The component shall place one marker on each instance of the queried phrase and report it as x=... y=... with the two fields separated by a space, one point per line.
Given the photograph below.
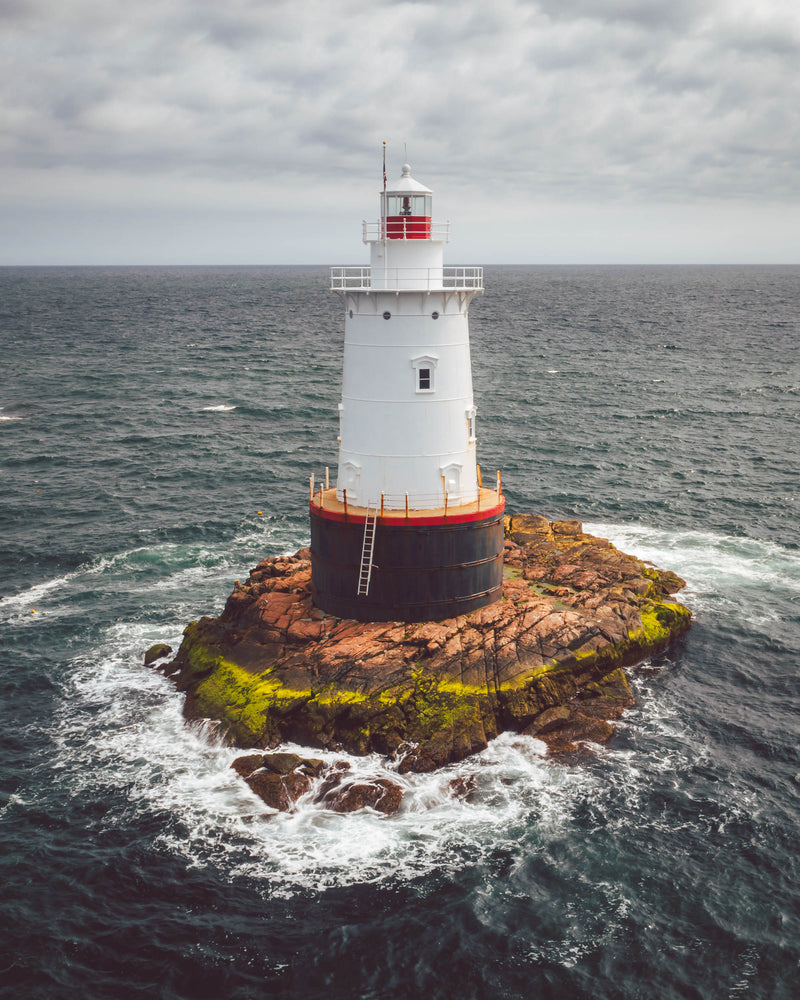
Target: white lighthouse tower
x=408 y=532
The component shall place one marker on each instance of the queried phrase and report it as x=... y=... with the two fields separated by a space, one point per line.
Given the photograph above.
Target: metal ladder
x=367 y=548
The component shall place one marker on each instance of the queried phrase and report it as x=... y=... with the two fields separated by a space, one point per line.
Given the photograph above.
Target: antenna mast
x=383 y=212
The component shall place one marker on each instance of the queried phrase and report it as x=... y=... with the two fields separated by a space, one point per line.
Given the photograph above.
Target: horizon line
x=687 y=263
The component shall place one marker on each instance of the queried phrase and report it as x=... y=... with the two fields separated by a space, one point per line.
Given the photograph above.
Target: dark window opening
x=424 y=378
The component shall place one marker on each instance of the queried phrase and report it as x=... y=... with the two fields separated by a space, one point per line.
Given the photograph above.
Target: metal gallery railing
x=399 y=503
x=366 y=279
x=393 y=228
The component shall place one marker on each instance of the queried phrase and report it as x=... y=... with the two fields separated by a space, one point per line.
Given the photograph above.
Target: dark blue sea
x=148 y=414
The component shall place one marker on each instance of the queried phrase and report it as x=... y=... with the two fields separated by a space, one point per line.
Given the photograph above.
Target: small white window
x=425 y=373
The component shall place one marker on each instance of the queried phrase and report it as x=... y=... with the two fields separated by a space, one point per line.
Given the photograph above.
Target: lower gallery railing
x=402 y=504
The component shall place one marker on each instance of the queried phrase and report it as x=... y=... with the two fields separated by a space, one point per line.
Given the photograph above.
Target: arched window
x=425 y=372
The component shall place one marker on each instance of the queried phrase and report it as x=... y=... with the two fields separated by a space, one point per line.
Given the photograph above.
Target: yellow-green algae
x=244 y=700
x=660 y=621
x=258 y=708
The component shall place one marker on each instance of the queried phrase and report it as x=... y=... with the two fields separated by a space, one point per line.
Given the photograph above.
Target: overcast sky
x=249 y=131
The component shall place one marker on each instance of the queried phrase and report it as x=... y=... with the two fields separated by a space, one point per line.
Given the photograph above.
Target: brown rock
x=420 y=762
x=296 y=784
x=333 y=778
x=273 y=605
x=156 y=652
x=380 y=794
x=670 y=582
x=531 y=523
x=278 y=791
x=613 y=687
x=462 y=786
x=567 y=528
x=278 y=778
x=245 y=766
x=305 y=630
x=549 y=719
x=522 y=529
x=580 y=729
x=281 y=763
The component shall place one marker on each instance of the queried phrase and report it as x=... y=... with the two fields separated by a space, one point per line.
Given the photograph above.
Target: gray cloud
x=573 y=101
x=659 y=14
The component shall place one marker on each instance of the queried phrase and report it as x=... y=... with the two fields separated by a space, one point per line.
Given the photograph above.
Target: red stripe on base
x=477 y=515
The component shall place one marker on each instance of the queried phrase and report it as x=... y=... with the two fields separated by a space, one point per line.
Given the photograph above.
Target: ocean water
x=147 y=416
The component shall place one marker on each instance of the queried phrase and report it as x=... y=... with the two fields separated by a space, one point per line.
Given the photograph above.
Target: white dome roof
x=407 y=183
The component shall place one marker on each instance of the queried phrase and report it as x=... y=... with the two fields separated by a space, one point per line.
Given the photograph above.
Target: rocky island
x=546 y=660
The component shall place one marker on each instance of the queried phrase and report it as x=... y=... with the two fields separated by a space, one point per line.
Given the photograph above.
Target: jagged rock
x=581 y=729
x=522 y=528
x=669 y=582
x=245 y=766
x=333 y=778
x=380 y=794
x=544 y=660
x=567 y=527
x=278 y=791
x=550 y=718
x=156 y=652
x=462 y=786
x=284 y=763
x=278 y=778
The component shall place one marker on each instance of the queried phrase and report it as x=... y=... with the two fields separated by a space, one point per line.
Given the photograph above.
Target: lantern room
x=406 y=209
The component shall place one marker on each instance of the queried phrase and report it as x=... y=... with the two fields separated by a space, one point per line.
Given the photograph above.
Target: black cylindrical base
x=420 y=571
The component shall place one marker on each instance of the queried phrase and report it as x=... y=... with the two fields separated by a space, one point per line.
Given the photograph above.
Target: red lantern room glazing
x=406 y=209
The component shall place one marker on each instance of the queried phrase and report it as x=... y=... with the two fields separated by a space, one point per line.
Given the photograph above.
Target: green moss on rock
x=661 y=620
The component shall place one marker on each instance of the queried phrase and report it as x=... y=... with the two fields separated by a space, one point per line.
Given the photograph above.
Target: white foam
x=313 y=847
x=185 y=568
x=121 y=725
x=220 y=408
x=679 y=749
x=712 y=564
x=31 y=596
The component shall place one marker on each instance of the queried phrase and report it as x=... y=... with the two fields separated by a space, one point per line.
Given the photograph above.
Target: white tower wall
x=406 y=264
x=397 y=438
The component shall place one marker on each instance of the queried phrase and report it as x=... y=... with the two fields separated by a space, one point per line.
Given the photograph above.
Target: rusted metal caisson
x=408 y=533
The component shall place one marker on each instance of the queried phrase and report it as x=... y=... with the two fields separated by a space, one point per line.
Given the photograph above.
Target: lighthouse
x=409 y=532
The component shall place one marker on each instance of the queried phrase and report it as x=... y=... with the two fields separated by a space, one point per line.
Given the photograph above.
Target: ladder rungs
x=367 y=547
